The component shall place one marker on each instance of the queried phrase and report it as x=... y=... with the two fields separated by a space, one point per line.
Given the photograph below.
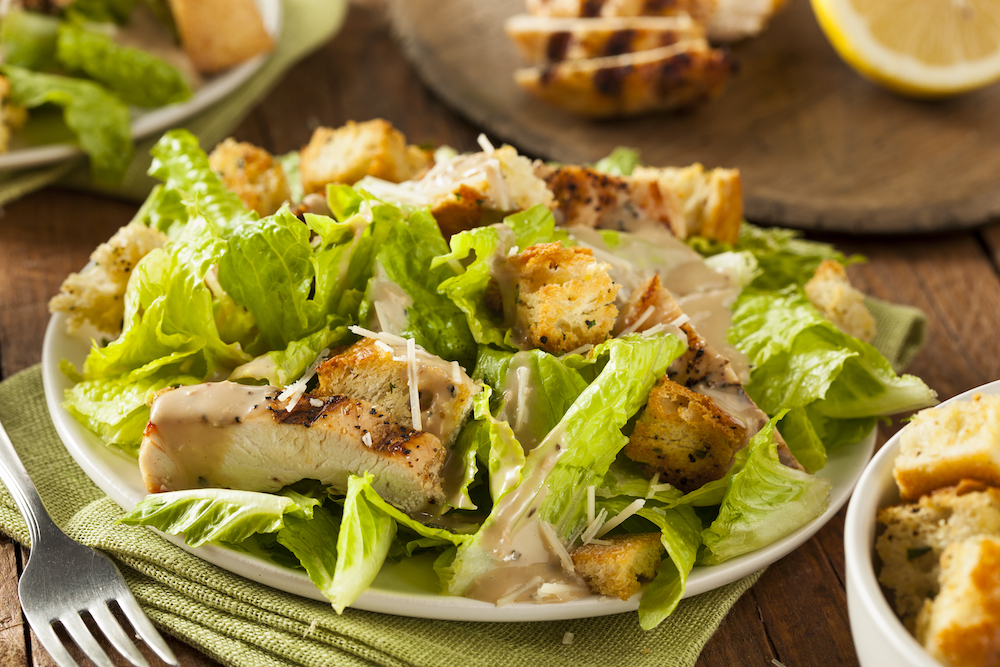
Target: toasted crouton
x=372 y=370
x=943 y=445
x=217 y=34
x=712 y=200
x=916 y=534
x=961 y=626
x=831 y=292
x=684 y=436
x=348 y=153
x=252 y=174
x=565 y=298
x=616 y=568
x=97 y=294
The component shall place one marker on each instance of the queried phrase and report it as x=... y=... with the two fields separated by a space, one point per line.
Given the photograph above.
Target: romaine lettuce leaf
x=764 y=502
x=366 y=532
x=621 y=162
x=218 y=515
x=100 y=121
x=314 y=543
x=28 y=40
x=135 y=76
x=101 y=10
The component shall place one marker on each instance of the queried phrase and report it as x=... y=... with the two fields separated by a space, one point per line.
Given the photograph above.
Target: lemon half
x=925 y=48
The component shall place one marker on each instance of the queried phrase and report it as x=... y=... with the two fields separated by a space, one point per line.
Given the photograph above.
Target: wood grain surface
x=797 y=611
x=819 y=147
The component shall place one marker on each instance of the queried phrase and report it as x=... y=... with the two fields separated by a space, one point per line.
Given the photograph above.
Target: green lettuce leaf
x=366 y=532
x=217 y=515
x=621 y=162
x=314 y=543
x=28 y=40
x=102 y=11
x=100 y=121
x=764 y=502
x=135 y=76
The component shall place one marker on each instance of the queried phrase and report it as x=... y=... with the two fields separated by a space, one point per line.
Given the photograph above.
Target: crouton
x=916 y=534
x=252 y=174
x=711 y=200
x=961 y=626
x=616 y=568
x=684 y=436
x=97 y=294
x=378 y=372
x=217 y=34
x=565 y=298
x=348 y=153
x=831 y=292
x=943 y=445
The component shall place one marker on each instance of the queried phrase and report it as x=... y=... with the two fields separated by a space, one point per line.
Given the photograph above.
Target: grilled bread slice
x=668 y=78
x=544 y=39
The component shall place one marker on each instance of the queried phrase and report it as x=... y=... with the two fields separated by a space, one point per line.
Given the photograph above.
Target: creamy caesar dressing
x=519 y=390
x=194 y=425
x=735 y=402
x=145 y=32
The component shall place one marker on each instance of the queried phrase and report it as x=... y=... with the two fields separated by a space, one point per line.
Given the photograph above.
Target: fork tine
x=116 y=635
x=144 y=628
x=50 y=641
x=82 y=637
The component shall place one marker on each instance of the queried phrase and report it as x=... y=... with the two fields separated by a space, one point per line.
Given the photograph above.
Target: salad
x=74 y=70
x=544 y=488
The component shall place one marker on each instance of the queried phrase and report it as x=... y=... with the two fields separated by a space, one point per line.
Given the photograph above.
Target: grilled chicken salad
x=558 y=379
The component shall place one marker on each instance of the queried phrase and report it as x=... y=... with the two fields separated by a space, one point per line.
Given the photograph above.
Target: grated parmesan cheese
x=594 y=526
x=484 y=143
x=632 y=328
x=411 y=380
x=512 y=596
x=388 y=338
x=315 y=402
x=586 y=347
x=600 y=543
x=456 y=373
x=651 y=491
x=365 y=211
x=568 y=638
x=367 y=439
x=294 y=391
x=633 y=507
x=382 y=346
x=680 y=320
x=522 y=396
x=549 y=534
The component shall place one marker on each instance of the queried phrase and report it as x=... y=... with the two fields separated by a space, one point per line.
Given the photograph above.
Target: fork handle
x=23 y=490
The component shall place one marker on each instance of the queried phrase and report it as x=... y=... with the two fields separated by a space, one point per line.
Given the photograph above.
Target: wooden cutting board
x=818 y=146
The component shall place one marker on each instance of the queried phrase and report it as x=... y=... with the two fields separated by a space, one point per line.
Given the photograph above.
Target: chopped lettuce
x=100 y=121
x=218 y=515
x=621 y=162
x=28 y=40
x=135 y=76
x=765 y=501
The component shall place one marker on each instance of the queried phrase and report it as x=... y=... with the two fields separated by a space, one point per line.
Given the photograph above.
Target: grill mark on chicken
x=619 y=42
x=558 y=43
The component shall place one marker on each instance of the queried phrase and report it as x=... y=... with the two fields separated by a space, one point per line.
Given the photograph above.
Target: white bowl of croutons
x=922 y=540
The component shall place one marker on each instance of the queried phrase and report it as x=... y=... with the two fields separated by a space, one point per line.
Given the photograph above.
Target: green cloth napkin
x=305 y=25
x=900 y=331
x=241 y=623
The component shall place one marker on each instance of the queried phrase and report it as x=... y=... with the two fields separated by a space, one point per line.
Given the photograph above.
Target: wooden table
x=797 y=613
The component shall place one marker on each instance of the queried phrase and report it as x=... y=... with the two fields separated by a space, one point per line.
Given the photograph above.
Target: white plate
x=408 y=588
x=146 y=122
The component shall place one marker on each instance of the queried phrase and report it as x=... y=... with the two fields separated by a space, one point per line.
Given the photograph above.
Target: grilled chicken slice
x=698 y=415
x=235 y=436
x=544 y=39
x=699 y=10
x=671 y=77
x=379 y=371
x=734 y=20
x=590 y=198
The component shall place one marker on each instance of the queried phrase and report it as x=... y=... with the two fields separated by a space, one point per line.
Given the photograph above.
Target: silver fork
x=64 y=578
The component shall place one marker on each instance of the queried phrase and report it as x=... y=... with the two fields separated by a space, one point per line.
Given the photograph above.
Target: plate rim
x=93 y=457
x=154 y=120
